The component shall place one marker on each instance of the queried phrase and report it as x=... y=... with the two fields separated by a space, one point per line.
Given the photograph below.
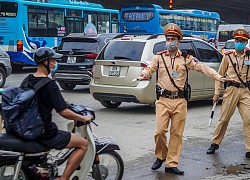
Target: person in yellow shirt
x=235 y=65
x=171 y=106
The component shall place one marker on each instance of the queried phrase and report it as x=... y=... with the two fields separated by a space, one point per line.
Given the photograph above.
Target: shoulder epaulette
x=188 y=55
x=228 y=52
x=161 y=52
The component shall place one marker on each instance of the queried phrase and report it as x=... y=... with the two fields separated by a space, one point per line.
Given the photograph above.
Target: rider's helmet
x=44 y=53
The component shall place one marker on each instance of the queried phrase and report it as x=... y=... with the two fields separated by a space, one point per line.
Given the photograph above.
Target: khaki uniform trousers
x=176 y=110
x=233 y=97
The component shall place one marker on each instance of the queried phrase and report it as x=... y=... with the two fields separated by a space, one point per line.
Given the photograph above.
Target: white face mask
x=171 y=46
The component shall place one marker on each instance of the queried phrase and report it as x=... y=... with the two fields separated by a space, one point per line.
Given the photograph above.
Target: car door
x=211 y=57
x=195 y=79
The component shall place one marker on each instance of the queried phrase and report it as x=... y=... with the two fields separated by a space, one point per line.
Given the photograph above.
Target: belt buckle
x=175 y=93
x=171 y=96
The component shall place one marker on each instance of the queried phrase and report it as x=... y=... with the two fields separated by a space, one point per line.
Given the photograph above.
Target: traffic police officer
x=235 y=65
x=172 y=105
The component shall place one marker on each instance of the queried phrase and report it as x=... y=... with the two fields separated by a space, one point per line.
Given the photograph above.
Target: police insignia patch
x=196 y=60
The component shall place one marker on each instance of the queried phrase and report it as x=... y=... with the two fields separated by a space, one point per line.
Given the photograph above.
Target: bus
x=151 y=19
x=225 y=32
x=26 y=25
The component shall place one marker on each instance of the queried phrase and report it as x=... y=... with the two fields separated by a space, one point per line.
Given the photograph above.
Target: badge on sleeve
x=196 y=60
x=175 y=74
x=246 y=62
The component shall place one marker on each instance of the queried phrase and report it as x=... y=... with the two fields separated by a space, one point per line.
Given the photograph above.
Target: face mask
x=55 y=68
x=171 y=46
x=239 y=46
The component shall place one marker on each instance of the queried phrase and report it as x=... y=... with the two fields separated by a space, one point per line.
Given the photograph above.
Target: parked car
x=5 y=67
x=229 y=46
x=123 y=59
x=79 y=52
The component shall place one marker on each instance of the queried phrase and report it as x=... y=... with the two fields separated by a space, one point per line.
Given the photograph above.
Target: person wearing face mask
x=171 y=106
x=49 y=98
x=235 y=65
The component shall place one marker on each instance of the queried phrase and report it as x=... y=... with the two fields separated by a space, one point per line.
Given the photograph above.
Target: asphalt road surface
x=132 y=125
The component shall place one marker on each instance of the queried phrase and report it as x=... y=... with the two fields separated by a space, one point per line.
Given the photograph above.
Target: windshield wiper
x=121 y=57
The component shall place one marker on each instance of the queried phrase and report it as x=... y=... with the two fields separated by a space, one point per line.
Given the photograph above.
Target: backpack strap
x=42 y=82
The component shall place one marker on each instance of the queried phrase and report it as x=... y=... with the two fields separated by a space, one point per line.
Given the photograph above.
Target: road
x=132 y=125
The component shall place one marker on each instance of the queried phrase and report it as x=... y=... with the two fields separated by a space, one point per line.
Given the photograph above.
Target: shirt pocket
x=162 y=67
x=181 y=71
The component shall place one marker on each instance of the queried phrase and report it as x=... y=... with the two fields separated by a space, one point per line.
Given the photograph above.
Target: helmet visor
x=57 y=56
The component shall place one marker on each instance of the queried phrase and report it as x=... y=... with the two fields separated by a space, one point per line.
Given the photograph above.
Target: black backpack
x=20 y=110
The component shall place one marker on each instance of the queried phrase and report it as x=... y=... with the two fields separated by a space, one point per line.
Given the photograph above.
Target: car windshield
x=229 y=45
x=127 y=50
x=81 y=46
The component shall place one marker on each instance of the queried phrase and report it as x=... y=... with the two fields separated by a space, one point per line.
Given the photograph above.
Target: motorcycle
x=25 y=160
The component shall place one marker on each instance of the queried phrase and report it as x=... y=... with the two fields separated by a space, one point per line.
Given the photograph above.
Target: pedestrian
x=235 y=65
x=49 y=98
x=171 y=106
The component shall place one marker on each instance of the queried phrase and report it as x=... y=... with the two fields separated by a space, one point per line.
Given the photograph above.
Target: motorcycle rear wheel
x=7 y=169
x=111 y=166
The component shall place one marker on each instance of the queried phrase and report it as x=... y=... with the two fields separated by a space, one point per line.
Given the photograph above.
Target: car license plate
x=114 y=70
x=71 y=60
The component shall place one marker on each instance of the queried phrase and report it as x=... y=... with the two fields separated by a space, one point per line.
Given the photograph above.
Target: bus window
x=103 y=23
x=37 y=22
x=210 y=26
x=114 y=23
x=8 y=9
x=56 y=19
x=182 y=22
x=74 y=25
x=90 y=17
x=162 y=21
x=177 y=20
x=195 y=24
x=37 y=19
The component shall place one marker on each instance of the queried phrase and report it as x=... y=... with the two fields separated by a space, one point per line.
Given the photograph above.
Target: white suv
x=123 y=59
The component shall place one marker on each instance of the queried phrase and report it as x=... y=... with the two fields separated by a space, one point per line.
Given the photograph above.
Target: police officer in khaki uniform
x=236 y=93
x=172 y=105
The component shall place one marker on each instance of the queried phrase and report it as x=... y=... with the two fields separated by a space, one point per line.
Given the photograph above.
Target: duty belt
x=236 y=84
x=173 y=95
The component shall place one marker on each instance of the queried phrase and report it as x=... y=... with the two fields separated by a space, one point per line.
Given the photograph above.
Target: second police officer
x=235 y=65
x=171 y=105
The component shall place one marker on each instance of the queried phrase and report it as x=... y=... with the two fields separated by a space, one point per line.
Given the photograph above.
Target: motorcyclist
x=49 y=98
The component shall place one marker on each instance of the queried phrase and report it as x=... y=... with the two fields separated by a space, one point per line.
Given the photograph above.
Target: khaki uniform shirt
x=227 y=69
x=176 y=69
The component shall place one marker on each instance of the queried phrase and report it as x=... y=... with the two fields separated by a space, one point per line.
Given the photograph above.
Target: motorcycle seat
x=10 y=142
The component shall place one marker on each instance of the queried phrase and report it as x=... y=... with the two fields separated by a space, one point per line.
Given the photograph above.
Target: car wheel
x=110 y=104
x=2 y=77
x=67 y=86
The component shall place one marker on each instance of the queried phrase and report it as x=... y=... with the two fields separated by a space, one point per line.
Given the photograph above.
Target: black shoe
x=174 y=170
x=212 y=148
x=247 y=155
x=157 y=164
